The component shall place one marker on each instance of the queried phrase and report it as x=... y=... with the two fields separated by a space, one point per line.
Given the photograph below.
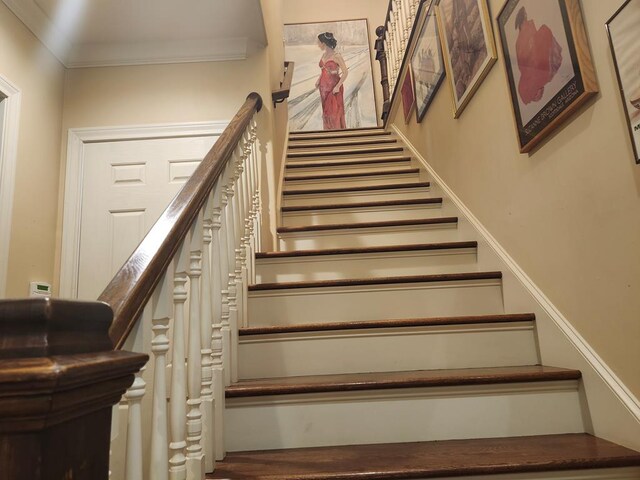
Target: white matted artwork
x=306 y=104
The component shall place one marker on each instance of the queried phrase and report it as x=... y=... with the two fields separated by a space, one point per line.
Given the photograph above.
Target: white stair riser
x=292 y=184
x=350 y=215
x=364 y=167
x=367 y=133
x=354 y=197
x=388 y=350
x=599 y=474
x=370 y=237
x=411 y=415
x=323 y=305
x=374 y=265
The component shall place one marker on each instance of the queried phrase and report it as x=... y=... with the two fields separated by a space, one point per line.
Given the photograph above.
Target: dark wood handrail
x=280 y=95
x=133 y=285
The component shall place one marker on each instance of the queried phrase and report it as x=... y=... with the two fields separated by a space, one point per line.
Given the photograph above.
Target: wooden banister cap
x=58 y=363
x=45 y=327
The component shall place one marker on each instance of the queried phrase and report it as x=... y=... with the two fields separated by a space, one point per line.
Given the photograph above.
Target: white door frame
x=10 y=125
x=73 y=195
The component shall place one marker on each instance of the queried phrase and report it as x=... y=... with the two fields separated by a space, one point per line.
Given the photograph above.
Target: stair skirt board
x=376 y=350
x=354 y=196
x=402 y=415
x=375 y=302
x=384 y=264
x=360 y=214
x=370 y=237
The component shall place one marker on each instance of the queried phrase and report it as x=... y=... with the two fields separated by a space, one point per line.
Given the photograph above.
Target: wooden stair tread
x=374 y=173
x=451 y=458
x=367 y=250
x=361 y=225
x=305 y=132
x=345 y=143
x=354 y=282
x=366 y=188
x=293 y=137
x=389 y=203
x=347 y=163
x=350 y=151
x=392 y=323
x=388 y=380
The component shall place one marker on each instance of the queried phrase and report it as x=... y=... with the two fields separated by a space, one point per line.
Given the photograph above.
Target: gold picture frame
x=541 y=104
x=468 y=53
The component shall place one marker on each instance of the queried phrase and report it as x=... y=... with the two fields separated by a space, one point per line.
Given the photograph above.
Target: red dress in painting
x=332 y=103
x=539 y=58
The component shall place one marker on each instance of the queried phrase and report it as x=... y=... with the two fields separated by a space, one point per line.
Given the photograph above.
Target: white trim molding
x=73 y=194
x=10 y=124
x=613 y=382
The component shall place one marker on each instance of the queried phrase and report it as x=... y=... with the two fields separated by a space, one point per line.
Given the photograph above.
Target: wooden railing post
x=381 y=56
x=60 y=379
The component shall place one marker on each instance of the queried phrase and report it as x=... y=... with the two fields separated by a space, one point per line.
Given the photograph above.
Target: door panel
x=126 y=187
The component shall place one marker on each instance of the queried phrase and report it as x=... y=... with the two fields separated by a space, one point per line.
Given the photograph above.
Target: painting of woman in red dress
x=539 y=57
x=333 y=73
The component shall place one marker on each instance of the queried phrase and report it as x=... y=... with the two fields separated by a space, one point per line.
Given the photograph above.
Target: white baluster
x=206 y=322
x=238 y=224
x=402 y=23
x=133 y=460
x=258 y=193
x=162 y=305
x=231 y=279
x=218 y=263
x=178 y=401
x=224 y=275
x=195 y=457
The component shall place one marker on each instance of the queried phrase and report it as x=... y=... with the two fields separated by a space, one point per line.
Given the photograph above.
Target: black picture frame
x=627 y=97
x=427 y=16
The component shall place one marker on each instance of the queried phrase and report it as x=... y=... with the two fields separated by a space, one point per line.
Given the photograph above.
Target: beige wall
x=375 y=11
x=569 y=213
x=175 y=93
x=40 y=77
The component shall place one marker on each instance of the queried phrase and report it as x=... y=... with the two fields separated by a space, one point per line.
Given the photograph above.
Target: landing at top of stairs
x=454 y=458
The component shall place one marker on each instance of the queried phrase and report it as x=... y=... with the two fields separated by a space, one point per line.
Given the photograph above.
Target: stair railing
x=188 y=281
x=393 y=44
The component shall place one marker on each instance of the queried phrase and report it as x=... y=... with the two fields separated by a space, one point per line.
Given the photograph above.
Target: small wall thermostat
x=39 y=290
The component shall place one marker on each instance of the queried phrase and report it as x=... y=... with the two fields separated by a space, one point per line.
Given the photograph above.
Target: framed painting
x=408 y=98
x=468 y=46
x=332 y=85
x=623 y=37
x=548 y=65
x=427 y=63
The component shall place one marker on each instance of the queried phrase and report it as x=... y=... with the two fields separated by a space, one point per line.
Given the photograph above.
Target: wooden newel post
x=381 y=56
x=59 y=378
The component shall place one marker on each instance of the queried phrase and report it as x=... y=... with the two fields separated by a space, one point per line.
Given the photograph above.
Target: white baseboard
x=624 y=395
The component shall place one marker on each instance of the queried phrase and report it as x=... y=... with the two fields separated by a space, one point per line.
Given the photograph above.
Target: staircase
x=377 y=348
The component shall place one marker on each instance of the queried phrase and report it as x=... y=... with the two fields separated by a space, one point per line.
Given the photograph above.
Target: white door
x=126 y=185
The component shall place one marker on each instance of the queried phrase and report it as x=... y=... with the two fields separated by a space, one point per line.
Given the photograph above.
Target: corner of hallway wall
x=568 y=213
x=40 y=77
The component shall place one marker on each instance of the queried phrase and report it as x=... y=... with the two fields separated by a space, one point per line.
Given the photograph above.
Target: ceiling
x=85 y=33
